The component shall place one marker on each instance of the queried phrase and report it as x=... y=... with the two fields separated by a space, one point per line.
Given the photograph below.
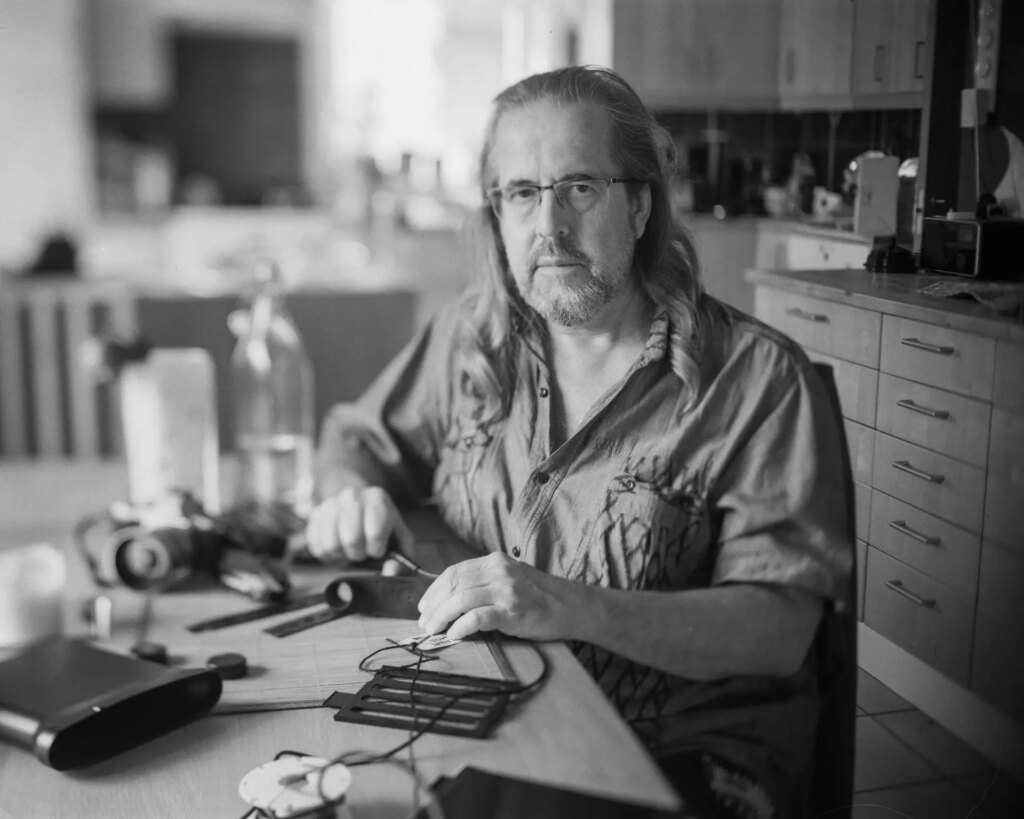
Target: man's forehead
x=545 y=139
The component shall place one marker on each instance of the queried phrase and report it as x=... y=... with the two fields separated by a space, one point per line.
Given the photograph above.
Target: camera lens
x=145 y=559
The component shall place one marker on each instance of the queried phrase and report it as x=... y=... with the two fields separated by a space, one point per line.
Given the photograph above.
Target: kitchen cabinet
x=942 y=546
x=889 y=52
x=844 y=54
x=815 y=48
x=698 y=53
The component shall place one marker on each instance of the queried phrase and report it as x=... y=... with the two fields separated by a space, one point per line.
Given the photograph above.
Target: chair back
x=50 y=403
x=835 y=647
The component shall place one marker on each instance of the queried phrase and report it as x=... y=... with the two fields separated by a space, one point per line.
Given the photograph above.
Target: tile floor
x=910 y=766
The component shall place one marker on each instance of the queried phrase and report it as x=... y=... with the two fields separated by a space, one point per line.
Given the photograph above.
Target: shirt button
x=542 y=478
x=515 y=551
x=543 y=392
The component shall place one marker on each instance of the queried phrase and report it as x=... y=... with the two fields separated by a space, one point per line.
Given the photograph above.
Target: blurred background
x=152 y=150
x=164 y=137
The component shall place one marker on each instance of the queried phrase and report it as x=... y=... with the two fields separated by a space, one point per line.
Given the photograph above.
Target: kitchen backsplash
x=730 y=157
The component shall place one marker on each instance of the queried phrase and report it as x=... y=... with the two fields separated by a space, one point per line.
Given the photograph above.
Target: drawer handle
x=898 y=587
x=796 y=312
x=904 y=466
x=924 y=345
x=908 y=403
x=901 y=527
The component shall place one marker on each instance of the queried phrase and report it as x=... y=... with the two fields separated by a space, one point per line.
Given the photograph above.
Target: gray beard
x=573 y=306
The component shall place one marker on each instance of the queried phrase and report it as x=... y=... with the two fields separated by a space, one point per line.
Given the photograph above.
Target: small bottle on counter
x=272 y=392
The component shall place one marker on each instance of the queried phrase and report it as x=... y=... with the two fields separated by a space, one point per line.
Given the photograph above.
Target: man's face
x=573 y=269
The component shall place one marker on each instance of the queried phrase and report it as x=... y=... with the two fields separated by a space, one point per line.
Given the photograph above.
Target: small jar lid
x=230 y=666
x=154 y=652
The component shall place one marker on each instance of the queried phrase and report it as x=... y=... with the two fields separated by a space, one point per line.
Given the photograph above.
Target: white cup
x=32 y=582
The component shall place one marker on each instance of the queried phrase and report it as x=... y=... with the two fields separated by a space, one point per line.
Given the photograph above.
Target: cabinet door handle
x=917 y=344
x=919 y=60
x=908 y=403
x=898 y=587
x=799 y=313
x=790 y=66
x=879 y=56
x=901 y=527
x=904 y=466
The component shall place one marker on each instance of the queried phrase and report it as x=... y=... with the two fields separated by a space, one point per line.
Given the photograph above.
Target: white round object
x=290 y=786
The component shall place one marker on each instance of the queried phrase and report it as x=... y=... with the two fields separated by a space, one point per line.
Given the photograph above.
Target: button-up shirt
x=744 y=486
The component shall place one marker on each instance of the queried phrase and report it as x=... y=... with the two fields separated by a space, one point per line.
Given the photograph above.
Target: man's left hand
x=496 y=592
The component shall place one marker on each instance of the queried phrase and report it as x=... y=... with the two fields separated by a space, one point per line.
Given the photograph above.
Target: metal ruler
x=314 y=618
x=269 y=610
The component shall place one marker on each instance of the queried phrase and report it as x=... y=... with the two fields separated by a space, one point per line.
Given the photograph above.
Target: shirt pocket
x=456 y=480
x=650 y=534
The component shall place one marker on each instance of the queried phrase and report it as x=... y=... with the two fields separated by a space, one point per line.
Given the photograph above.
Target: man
x=653 y=475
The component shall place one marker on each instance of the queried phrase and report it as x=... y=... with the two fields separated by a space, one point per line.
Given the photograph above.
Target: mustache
x=559 y=250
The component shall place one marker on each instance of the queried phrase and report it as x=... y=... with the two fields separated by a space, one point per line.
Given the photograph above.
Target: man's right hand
x=356 y=524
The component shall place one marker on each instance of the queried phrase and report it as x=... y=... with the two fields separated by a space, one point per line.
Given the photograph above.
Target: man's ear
x=640 y=210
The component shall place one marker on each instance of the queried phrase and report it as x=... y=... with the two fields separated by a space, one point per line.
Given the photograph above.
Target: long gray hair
x=497 y=320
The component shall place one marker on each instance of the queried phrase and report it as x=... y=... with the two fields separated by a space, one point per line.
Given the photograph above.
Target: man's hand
x=496 y=592
x=355 y=524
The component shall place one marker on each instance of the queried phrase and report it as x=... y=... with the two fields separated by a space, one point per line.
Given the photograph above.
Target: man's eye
x=519 y=194
x=581 y=188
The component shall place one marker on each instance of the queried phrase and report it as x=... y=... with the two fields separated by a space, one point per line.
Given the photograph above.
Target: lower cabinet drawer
x=937 y=419
x=947 y=488
x=929 y=544
x=918 y=614
x=851 y=333
x=997 y=665
x=938 y=355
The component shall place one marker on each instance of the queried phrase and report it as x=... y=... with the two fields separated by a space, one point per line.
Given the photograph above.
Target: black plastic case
x=73 y=704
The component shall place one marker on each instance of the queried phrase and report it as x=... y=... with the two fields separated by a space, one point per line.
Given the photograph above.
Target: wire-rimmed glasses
x=518 y=202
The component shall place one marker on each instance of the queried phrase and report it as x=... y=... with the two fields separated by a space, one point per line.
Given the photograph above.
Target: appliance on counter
x=977 y=248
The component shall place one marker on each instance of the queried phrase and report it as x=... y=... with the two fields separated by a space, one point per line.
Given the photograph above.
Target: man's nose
x=552 y=216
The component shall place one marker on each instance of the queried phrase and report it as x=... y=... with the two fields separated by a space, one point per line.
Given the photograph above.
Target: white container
x=32 y=582
x=169 y=416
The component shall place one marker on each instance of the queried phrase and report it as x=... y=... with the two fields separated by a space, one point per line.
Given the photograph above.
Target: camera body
x=163 y=546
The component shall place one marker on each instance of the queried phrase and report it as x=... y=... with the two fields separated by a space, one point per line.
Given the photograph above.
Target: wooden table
x=567 y=734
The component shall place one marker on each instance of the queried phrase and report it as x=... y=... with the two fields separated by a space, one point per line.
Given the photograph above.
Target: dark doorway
x=235 y=116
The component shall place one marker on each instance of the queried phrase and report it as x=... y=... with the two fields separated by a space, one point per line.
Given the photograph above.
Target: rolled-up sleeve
x=390 y=436
x=781 y=498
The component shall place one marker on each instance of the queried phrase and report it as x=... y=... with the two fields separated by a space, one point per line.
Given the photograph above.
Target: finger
x=454 y=606
x=349 y=524
x=321 y=535
x=379 y=516
x=456 y=575
x=485 y=618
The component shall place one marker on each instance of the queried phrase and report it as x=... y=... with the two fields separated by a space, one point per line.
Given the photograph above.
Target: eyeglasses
x=518 y=202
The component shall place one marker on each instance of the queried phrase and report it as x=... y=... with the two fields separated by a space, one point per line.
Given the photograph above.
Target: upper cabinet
x=698 y=53
x=839 y=54
x=890 y=42
x=766 y=54
x=815 y=46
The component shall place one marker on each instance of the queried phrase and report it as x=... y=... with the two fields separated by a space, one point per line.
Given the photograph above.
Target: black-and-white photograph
x=511 y=409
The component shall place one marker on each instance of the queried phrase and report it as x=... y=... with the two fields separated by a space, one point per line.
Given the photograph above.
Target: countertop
x=895 y=294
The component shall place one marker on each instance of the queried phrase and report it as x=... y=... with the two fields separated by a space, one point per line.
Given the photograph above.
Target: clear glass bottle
x=272 y=391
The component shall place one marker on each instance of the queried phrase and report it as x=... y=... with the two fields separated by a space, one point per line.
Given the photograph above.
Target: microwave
x=979 y=248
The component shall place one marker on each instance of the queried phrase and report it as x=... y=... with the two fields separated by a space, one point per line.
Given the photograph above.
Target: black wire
x=365 y=758
x=479 y=692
